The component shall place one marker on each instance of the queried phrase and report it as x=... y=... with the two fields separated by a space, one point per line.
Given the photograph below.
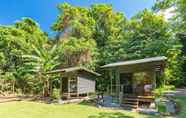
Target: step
x=130 y=99
x=129 y=106
x=128 y=102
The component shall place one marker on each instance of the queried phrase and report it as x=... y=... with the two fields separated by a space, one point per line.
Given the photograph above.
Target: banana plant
x=42 y=60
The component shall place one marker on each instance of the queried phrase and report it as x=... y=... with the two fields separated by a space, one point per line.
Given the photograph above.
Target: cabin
x=132 y=82
x=76 y=82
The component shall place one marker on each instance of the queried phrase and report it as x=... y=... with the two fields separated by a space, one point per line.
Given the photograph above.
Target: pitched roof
x=132 y=62
x=73 y=69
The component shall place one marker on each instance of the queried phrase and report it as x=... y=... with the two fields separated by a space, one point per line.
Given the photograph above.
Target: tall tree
x=109 y=32
x=151 y=35
x=75 y=28
x=178 y=22
x=15 y=40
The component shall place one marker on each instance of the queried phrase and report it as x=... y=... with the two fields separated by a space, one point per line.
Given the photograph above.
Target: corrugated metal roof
x=132 y=62
x=72 y=69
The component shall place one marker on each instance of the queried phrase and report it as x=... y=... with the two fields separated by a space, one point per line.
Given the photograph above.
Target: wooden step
x=130 y=99
x=129 y=106
x=128 y=102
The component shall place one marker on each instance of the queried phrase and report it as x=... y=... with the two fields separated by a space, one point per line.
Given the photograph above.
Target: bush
x=159 y=91
x=55 y=93
x=161 y=108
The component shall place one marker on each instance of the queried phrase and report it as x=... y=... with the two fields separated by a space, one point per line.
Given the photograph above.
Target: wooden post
x=121 y=95
x=117 y=82
x=61 y=88
x=154 y=78
x=118 y=86
x=110 y=74
x=68 y=87
x=77 y=82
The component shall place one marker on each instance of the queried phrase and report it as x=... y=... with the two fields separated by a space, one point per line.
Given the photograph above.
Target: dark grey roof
x=132 y=62
x=72 y=69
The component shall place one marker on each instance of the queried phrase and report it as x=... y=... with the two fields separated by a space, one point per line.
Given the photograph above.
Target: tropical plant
x=43 y=60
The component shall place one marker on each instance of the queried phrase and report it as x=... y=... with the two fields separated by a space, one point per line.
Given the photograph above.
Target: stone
x=152 y=105
x=170 y=106
x=108 y=102
x=148 y=111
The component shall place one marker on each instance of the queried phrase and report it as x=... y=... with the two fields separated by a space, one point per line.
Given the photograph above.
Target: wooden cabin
x=129 y=80
x=76 y=82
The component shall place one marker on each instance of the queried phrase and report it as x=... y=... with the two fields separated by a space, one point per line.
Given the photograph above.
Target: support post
x=118 y=86
x=68 y=87
x=154 y=78
x=110 y=74
x=117 y=81
x=61 y=88
x=77 y=82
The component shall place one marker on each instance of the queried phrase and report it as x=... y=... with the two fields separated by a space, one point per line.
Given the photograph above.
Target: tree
x=43 y=60
x=109 y=33
x=74 y=21
x=15 y=40
x=178 y=23
x=151 y=35
x=99 y=23
x=78 y=52
x=75 y=27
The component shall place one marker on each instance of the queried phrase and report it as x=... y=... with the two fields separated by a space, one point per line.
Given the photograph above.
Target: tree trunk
x=3 y=85
x=50 y=89
x=13 y=86
x=46 y=88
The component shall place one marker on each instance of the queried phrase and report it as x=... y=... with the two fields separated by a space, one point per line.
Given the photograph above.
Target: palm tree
x=42 y=60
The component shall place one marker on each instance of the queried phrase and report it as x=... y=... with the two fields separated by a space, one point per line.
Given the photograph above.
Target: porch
x=132 y=82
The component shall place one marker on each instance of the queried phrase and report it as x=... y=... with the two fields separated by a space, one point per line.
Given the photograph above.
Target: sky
x=44 y=12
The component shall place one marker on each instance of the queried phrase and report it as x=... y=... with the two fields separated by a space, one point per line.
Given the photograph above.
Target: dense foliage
x=178 y=26
x=90 y=37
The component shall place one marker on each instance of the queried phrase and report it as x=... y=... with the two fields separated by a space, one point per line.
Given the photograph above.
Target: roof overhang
x=73 y=69
x=153 y=60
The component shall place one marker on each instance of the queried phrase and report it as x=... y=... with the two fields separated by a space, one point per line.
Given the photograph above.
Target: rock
x=157 y=100
x=108 y=102
x=148 y=111
x=170 y=107
x=152 y=105
x=60 y=101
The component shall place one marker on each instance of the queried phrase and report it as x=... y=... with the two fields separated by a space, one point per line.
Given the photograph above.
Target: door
x=126 y=83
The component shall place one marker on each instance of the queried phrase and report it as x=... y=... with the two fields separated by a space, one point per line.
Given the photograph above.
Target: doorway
x=126 y=83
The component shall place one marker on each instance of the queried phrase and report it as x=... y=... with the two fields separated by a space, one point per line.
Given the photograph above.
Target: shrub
x=55 y=93
x=159 y=91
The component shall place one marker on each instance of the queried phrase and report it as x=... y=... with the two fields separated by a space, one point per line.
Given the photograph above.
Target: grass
x=25 y=109
x=182 y=101
x=40 y=110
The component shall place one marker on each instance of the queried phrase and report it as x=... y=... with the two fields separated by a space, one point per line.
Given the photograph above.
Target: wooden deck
x=134 y=102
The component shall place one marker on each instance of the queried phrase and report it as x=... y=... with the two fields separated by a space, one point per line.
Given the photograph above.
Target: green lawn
x=25 y=109
x=182 y=101
x=41 y=110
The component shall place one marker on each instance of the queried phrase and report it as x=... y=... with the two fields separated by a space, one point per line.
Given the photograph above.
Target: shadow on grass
x=110 y=115
x=88 y=102
x=113 y=114
x=118 y=115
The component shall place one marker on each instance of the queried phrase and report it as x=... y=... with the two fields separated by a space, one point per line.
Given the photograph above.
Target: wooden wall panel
x=85 y=84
